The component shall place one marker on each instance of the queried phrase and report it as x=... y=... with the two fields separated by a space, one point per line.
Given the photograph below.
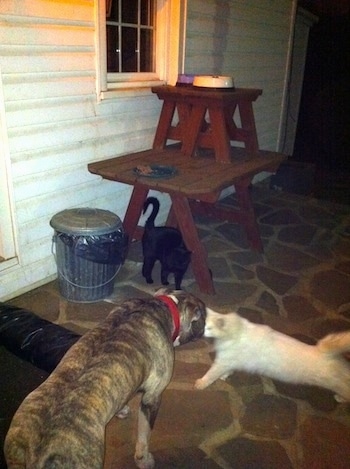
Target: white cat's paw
x=200 y=384
x=224 y=377
x=124 y=412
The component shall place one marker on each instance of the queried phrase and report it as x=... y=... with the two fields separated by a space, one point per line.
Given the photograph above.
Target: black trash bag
x=109 y=248
x=32 y=338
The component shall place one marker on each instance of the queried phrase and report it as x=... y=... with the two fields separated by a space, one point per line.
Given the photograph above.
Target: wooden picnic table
x=194 y=189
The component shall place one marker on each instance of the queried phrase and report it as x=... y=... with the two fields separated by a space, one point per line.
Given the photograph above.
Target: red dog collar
x=174 y=312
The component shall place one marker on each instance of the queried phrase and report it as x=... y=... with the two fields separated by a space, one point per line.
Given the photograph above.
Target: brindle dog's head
x=192 y=312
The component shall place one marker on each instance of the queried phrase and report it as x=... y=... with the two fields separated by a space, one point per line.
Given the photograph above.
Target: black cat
x=164 y=244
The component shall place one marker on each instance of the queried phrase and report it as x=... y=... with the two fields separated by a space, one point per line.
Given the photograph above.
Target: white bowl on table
x=213 y=81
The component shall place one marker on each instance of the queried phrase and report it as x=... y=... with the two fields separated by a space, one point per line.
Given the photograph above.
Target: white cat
x=255 y=348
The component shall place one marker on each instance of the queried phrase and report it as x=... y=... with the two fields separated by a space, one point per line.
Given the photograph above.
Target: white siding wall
x=248 y=40
x=56 y=126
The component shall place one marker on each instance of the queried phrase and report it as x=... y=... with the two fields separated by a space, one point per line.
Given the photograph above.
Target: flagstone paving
x=300 y=285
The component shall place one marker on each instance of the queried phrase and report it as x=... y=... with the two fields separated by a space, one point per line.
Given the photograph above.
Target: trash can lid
x=86 y=221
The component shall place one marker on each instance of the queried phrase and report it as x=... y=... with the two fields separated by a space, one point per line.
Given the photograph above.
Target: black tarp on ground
x=32 y=338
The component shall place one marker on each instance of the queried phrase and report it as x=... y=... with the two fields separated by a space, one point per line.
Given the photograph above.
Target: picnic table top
x=195 y=176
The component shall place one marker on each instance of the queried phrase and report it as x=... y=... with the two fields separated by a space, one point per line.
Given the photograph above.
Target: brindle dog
x=62 y=423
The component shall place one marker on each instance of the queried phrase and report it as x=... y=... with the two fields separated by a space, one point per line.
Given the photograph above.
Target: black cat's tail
x=155 y=203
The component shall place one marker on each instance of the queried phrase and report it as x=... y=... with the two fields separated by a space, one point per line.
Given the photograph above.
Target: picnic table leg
x=244 y=215
x=133 y=212
x=248 y=124
x=192 y=131
x=181 y=209
x=171 y=219
x=164 y=124
x=221 y=141
x=245 y=203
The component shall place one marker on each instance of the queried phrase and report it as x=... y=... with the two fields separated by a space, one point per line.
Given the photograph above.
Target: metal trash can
x=90 y=246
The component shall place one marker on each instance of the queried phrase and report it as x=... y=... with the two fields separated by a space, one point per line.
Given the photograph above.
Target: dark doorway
x=323 y=131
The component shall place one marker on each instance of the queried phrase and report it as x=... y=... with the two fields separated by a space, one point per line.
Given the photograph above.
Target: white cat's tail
x=335 y=344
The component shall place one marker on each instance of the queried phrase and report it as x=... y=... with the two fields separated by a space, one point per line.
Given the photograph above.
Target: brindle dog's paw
x=339 y=398
x=122 y=414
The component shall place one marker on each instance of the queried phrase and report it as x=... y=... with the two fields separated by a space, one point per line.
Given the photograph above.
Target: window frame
x=169 y=47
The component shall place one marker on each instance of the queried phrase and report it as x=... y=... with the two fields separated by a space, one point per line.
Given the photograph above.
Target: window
x=130 y=33
x=140 y=44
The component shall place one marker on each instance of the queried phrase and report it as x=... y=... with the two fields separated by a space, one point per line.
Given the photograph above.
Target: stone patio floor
x=300 y=285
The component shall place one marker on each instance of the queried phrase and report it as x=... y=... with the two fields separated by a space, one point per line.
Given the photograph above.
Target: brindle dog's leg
x=146 y=418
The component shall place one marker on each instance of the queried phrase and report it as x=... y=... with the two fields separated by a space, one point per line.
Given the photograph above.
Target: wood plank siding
x=246 y=40
x=55 y=123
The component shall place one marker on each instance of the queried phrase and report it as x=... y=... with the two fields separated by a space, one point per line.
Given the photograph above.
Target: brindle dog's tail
x=155 y=203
